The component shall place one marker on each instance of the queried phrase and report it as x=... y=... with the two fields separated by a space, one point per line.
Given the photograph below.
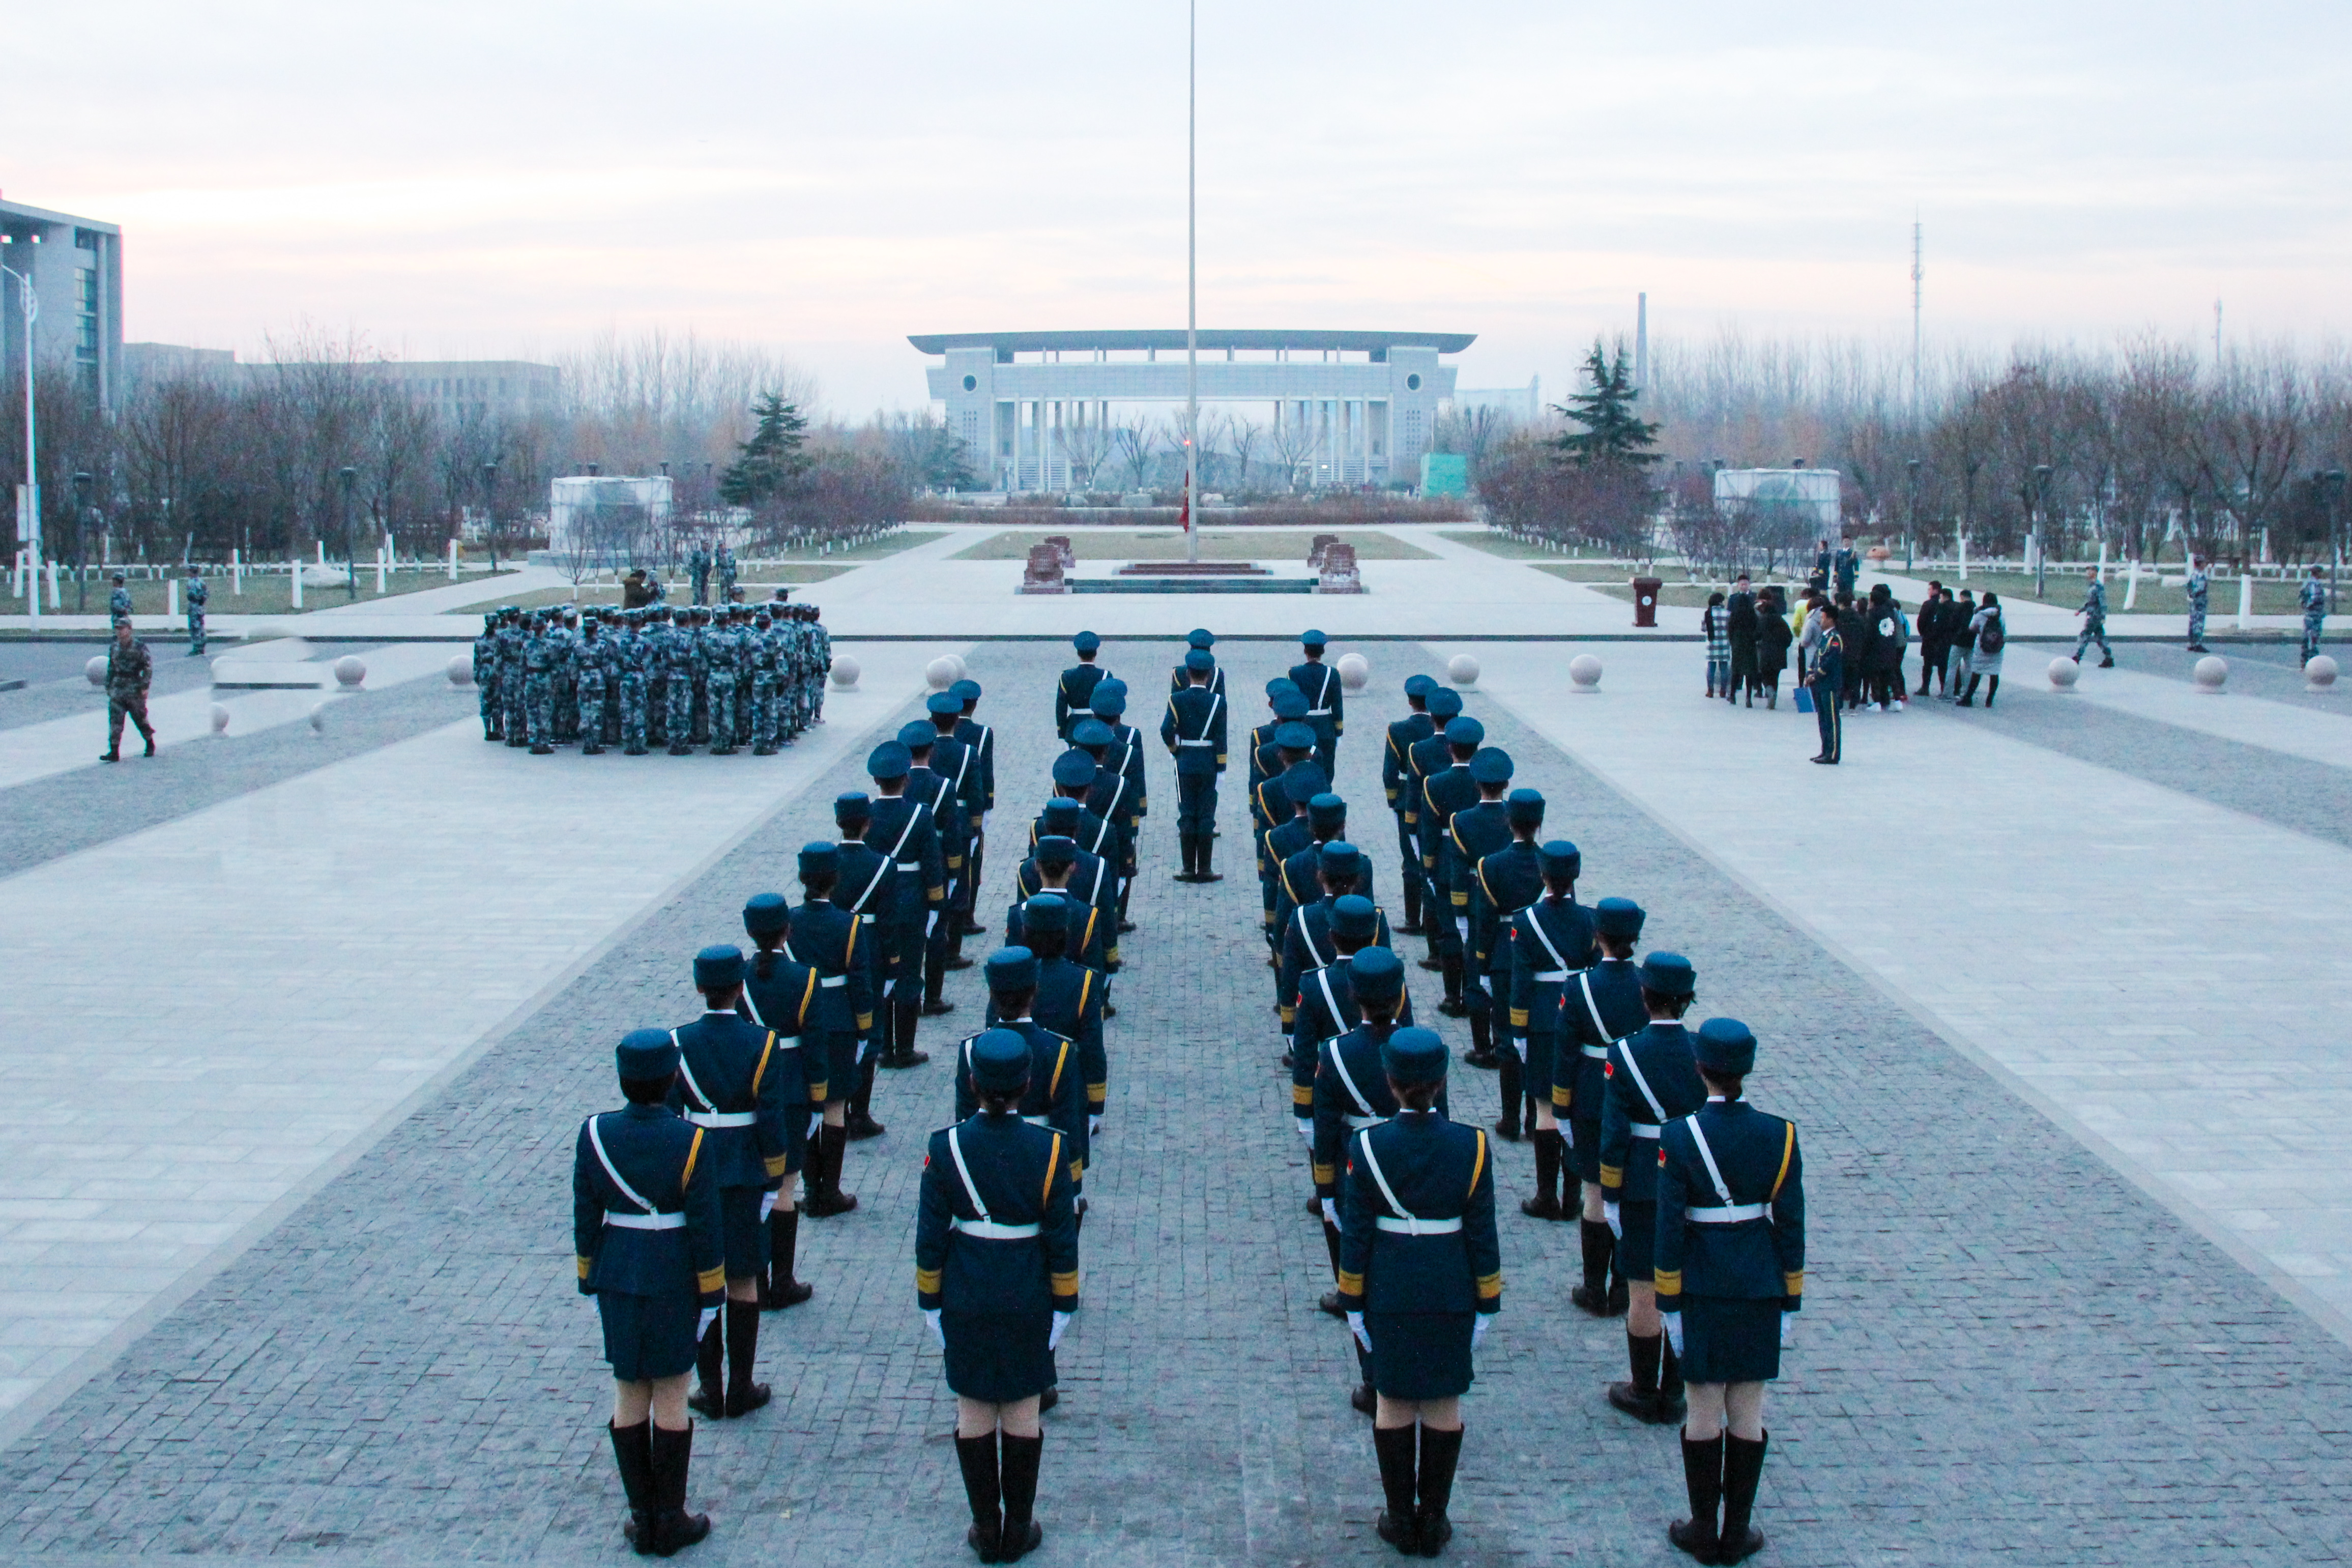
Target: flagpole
x=1191 y=278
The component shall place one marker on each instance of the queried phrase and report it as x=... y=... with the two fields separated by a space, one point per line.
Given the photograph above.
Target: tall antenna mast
x=1191 y=282
x=2217 y=333
x=1642 y=341
x=1918 y=273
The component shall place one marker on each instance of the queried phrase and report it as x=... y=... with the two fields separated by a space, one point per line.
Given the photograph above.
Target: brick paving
x=2009 y=1353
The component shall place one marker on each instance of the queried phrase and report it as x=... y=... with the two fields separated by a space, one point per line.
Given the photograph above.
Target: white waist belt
x=723 y=1118
x=1725 y=1214
x=1196 y=742
x=989 y=1231
x=1643 y=1129
x=833 y=981
x=1319 y=712
x=1598 y=1053
x=910 y=865
x=1551 y=977
x=1360 y=1122
x=1416 y=1226
x=645 y=1221
x=866 y=919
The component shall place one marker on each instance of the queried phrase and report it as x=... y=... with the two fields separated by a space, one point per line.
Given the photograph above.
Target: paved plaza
x=302 y=1023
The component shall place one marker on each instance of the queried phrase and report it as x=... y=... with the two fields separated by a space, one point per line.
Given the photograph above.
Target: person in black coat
x=1739 y=620
x=1935 y=635
x=1855 y=627
x=1773 y=634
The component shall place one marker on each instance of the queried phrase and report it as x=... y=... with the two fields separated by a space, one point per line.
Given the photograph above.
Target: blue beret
x=1200 y=637
x=1413 y=1056
x=1061 y=807
x=1669 y=974
x=765 y=914
x=1292 y=735
x=999 y=1060
x=1045 y=913
x=1353 y=917
x=1091 y=733
x=1110 y=699
x=820 y=859
x=1526 y=807
x=1444 y=702
x=1617 y=917
x=1464 y=733
x=943 y=702
x=1326 y=809
x=1110 y=683
x=1727 y=1046
x=916 y=736
x=1490 y=766
x=1086 y=642
x=1311 y=638
x=965 y=690
x=1561 y=858
x=1057 y=850
x=1200 y=661
x=721 y=964
x=646 y=1053
x=1419 y=686
x=1280 y=684
x=852 y=805
x=1377 y=974
x=1011 y=969
x=1302 y=782
x=888 y=761
x=1339 y=858
x=1290 y=705
x=1073 y=768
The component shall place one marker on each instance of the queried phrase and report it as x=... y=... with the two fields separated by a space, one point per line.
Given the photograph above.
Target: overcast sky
x=497 y=177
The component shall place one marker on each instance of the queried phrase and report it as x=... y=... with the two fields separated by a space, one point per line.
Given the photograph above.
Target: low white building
x=612 y=519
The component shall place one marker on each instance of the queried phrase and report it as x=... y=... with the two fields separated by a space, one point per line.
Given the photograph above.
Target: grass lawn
x=262 y=595
x=872 y=550
x=1510 y=549
x=610 y=594
x=1267 y=544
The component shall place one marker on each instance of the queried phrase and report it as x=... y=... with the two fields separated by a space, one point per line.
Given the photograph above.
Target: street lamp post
x=2041 y=524
x=351 y=478
x=2331 y=486
x=28 y=499
x=1911 y=535
x=82 y=483
x=490 y=512
x=1191 y=282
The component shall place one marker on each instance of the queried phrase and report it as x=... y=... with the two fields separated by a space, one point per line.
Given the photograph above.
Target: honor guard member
x=951 y=761
x=1074 y=697
x=1297 y=876
x=1398 y=784
x=1599 y=1006
x=741 y=1084
x=486 y=676
x=1424 y=758
x=1503 y=882
x=1106 y=797
x=1445 y=792
x=197 y=597
x=980 y=741
x=1731 y=1277
x=866 y=885
x=1069 y=998
x=825 y=937
x=646 y=1226
x=1126 y=753
x=1544 y=944
x=780 y=994
x=1059 y=866
x=1200 y=639
x=1265 y=758
x=1326 y=709
x=996 y=1276
x=902 y=829
x=1653 y=1079
x=1074 y=779
x=1306 y=940
x=1056 y=1097
x=1828 y=682
x=1420 y=1277
x=1193 y=731
x=1296 y=789
x=129 y=672
x=1328 y=1005
x=947 y=817
x=1471 y=834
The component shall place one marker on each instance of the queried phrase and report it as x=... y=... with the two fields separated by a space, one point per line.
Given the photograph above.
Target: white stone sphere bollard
x=96 y=671
x=2210 y=672
x=844 y=671
x=962 y=669
x=1462 y=669
x=2320 y=673
x=1354 y=671
x=350 y=671
x=220 y=718
x=1584 y=673
x=461 y=670
x=2063 y=673
x=940 y=672
x=318 y=718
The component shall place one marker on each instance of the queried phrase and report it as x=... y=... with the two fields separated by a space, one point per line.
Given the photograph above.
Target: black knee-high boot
x=1018 y=1467
x=1670 y=1383
x=673 y=1456
x=1743 y=1465
x=909 y=1013
x=743 y=1396
x=1639 y=1397
x=709 y=1397
x=1412 y=926
x=1400 y=1521
x=1703 y=1479
x=783 y=1289
x=1450 y=965
x=1545 y=1204
x=632 y=1452
x=1511 y=1088
x=1441 y=1451
x=885 y=1027
x=976 y=1456
x=861 y=1123
x=1592 y=1296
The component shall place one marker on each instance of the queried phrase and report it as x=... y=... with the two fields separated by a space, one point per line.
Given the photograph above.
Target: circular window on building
x=970 y=382
x=1412 y=382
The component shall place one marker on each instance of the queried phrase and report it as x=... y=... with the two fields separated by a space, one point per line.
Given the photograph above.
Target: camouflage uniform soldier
x=746 y=672
x=118 y=602
x=820 y=663
x=2199 y=584
x=130 y=669
x=677 y=668
x=512 y=636
x=657 y=635
x=725 y=562
x=722 y=656
x=592 y=661
x=2095 y=621
x=197 y=597
x=566 y=636
x=698 y=566
x=765 y=712
x=485 y=676
x=539 y=657
x=635 y=652
x=2313 y=598
x=699 y=674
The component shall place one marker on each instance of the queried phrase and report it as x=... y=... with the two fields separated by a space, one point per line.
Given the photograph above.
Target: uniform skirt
x=1539 y=1048
x=841 y=1064
x=1584 y=1143
x=1420 y=1355
x=648 y=1337
x=1637 y=1249
x=745 y=1233
x=1730 y=1340
x=998 y=1356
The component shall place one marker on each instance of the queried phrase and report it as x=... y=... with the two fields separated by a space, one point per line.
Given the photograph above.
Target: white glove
x=702 y=1325
x=1307 y=1128
x=1616 y=1224
x=1356 y=1327
x=1478 y=1328
x=1331 y=1213
x=932 y=1316
x=1567 y=1130
x=768 y=1203
x=1061 y=1326
x=1788 y=1329
x=1094 y=1126
x=1674 y=1322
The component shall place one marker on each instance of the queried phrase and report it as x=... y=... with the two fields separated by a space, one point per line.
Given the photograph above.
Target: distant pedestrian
x=1886 y=635
x=1854 y=630
x=2199 y=585
x=1713 y=622
x=198 y=594
x=2095 y=621
x=1739 y=620
x=1773 y=636
x=1848 y=567
x=1959 y=615
x=2313 y=598
x=1933 y=636
x=130 y=671
x=1986 y=637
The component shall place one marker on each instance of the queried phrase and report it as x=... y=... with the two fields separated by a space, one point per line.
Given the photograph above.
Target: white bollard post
x=172 y=598
x=379 y=573
x=453 y=560
x=236 y=574
x=2246 y=601
x=56 y=600
x=2103 y=561
x=2131 y=584
x=322 y=551
x=1964 y=557
x=295 y=574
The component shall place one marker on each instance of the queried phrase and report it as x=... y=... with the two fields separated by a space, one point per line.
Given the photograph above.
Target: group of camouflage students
x=729 y=677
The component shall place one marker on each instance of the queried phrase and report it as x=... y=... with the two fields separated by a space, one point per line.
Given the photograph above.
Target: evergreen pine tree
x=770 y=457
x=1613 y=432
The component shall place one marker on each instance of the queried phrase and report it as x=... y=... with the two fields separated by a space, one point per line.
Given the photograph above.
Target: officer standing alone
x=1193 y=731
